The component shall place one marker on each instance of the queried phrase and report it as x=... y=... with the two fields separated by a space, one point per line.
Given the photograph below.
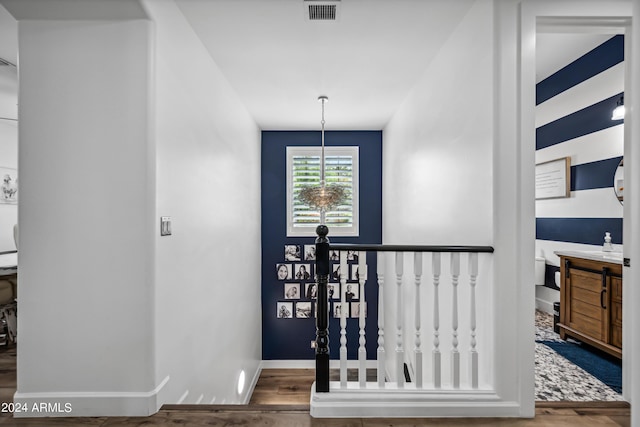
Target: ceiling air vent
x=322 y=10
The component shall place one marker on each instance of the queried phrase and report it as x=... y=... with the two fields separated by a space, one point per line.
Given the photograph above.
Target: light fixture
x=322 y=197
x=618 y=112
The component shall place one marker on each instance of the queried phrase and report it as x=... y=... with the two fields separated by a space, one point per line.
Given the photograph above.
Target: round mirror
x=618 y=181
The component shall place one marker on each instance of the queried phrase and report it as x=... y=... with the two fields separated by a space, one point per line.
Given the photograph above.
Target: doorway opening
x=581 y=67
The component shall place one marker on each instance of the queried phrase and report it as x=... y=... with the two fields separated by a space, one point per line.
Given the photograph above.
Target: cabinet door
x=585 y=299
x=615 y=311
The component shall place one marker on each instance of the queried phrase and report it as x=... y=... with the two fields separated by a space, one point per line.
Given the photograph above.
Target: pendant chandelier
x=322 y=197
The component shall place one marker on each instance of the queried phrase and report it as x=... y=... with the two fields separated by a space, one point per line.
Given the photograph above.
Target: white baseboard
x=288 y=364
x=545 y=306
x=409 y=403
x=252 y=385
x=311 y=364
x=88 y=404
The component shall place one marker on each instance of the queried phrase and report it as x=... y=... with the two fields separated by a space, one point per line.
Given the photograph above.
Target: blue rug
x=602 y=366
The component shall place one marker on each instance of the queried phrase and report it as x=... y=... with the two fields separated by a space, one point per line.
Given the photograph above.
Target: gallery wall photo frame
x=9 y=186
x=553 y=179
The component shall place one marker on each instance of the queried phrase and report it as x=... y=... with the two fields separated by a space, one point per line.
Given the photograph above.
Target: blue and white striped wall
x=573 y=119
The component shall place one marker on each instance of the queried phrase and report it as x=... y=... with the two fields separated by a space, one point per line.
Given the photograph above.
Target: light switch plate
x=165 y=226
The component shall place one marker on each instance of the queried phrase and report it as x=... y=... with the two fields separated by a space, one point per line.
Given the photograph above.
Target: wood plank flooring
x=283 y=387
x=293 y=386
x=281 y=399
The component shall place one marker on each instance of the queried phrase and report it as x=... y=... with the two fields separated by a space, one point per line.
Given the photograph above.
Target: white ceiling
x=366 y=62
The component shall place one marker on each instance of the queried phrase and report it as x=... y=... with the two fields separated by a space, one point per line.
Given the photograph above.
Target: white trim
x=630 y=338
x=514 y=221
x=544 y=305
x=252 y=385
x=407 y=403
x=311 y=364
x=90 y=404
x=288 y=364
x=596 y=16
x=310 y=231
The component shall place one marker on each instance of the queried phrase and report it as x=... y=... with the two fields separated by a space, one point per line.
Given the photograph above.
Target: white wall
x=123 y=121
x=105 y=104
x=437 y=166
x=208 y=181
x=87 y=211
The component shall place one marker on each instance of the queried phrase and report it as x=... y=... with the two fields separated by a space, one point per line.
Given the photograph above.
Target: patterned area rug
x=604 y=367
x=558 y=379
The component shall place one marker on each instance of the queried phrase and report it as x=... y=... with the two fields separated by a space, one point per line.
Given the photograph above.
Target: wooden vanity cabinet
x=591 y=303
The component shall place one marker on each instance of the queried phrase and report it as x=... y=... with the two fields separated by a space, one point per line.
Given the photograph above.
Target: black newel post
x=322 y=316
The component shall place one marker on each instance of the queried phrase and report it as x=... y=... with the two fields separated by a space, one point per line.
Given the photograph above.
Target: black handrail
x=8 y=252
x=408 y=248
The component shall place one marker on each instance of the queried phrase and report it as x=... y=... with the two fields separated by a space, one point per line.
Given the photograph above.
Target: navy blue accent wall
x=289 y=339
x=591 y=119
x=589 y=231
x=594 y=62
x=598 y=174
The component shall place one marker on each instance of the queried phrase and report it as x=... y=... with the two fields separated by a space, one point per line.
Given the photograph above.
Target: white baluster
x=417 y=271
x=473 y=274
x=455 y=354
x=362 y=351
x=343 y=319
x=381 y=353
x=400 y=321
x=437 y=368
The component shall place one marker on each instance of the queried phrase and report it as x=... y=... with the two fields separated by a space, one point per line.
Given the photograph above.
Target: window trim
x=310 y=231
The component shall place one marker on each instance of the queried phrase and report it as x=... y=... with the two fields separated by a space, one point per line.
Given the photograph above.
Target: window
x=303 y=168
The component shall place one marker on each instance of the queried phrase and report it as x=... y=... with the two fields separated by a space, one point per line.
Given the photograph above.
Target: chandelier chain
x=322 y=150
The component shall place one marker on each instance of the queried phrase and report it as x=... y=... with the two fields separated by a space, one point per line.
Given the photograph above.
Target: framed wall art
x=284 y=271
x=292 y=291
x=553 y=179
x=285 y=310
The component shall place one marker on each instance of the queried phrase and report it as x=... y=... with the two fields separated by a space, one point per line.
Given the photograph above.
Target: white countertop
x=612 y=257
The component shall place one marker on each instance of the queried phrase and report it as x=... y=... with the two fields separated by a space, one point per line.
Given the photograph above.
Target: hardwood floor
x=283 y=387
x=281 y=399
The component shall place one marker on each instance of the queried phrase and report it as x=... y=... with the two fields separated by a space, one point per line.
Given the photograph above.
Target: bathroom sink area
x=615 y=257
